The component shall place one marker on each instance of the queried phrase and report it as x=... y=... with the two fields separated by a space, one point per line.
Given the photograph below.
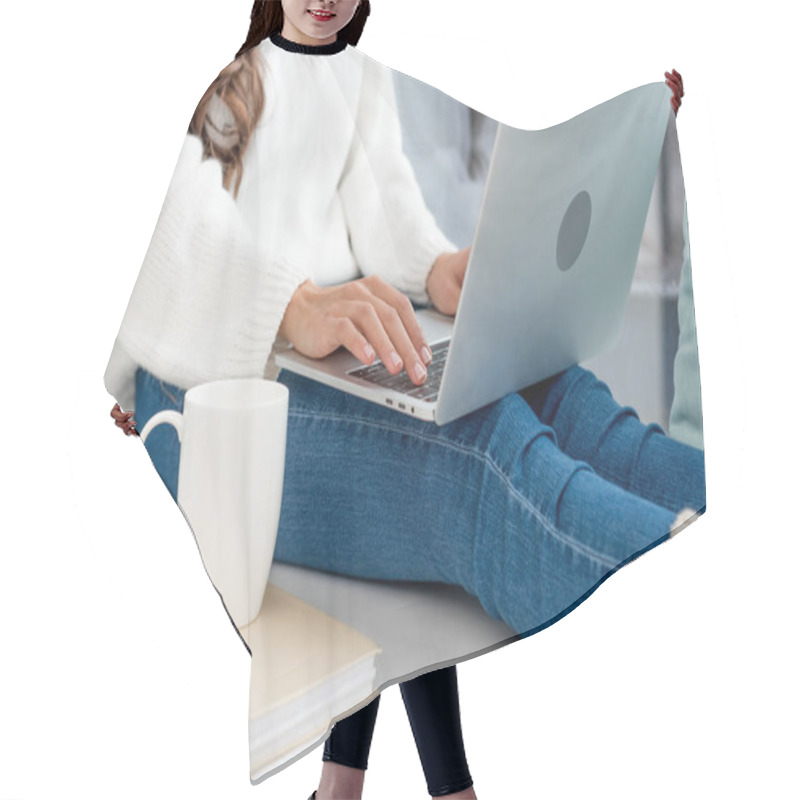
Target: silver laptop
x=550 y=269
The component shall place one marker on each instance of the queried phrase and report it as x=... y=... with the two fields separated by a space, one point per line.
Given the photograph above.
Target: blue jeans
x=528 y=503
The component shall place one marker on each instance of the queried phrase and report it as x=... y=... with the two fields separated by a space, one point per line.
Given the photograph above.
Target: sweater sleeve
x=392 y=232
x=207 y=303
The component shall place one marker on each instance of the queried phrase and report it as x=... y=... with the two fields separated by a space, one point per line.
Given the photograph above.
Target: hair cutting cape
x=351 y=170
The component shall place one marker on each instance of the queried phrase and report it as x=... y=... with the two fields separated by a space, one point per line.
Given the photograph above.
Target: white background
x=119 y=673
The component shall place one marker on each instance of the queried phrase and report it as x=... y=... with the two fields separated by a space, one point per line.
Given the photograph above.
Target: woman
x=529 y=526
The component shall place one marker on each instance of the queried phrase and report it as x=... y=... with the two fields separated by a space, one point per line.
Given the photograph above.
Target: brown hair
x=231 y=107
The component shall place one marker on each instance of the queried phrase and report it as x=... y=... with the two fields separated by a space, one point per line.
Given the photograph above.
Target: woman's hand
x=675 y=82
x=124 y=420
x=366 y=316
x=446 y=279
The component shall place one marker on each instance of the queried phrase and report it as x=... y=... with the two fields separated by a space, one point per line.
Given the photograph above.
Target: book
x=307 y=669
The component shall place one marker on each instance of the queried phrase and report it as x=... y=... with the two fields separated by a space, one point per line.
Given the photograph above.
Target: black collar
x=308 y=49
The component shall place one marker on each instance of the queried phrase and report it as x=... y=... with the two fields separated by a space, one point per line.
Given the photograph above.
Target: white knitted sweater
x=326 y=194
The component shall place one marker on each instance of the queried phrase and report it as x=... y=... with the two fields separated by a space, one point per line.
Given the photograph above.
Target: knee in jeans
x=513 y=421
x=508 y=433
x=579 y=380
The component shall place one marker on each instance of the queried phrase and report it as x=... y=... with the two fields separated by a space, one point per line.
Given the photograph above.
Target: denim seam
x=560 y=536
x=172 y=397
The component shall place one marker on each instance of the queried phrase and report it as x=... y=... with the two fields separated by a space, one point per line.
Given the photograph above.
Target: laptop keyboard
x=428 y=392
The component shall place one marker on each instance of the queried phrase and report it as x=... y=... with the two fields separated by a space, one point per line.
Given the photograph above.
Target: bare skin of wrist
x=446 y=279
x=367 y=316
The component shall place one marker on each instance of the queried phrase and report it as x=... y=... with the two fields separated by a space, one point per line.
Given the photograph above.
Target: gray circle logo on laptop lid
x=574 y=230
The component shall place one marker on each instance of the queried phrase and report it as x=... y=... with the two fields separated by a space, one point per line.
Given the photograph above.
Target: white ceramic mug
x=230 y=482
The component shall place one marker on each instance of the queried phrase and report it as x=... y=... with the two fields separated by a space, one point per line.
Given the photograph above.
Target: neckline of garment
x=308 y=49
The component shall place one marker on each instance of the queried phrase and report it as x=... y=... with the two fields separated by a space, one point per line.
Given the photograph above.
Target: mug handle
x=174 y=418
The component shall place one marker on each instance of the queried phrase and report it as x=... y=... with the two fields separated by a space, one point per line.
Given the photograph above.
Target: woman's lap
x=488 y=502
